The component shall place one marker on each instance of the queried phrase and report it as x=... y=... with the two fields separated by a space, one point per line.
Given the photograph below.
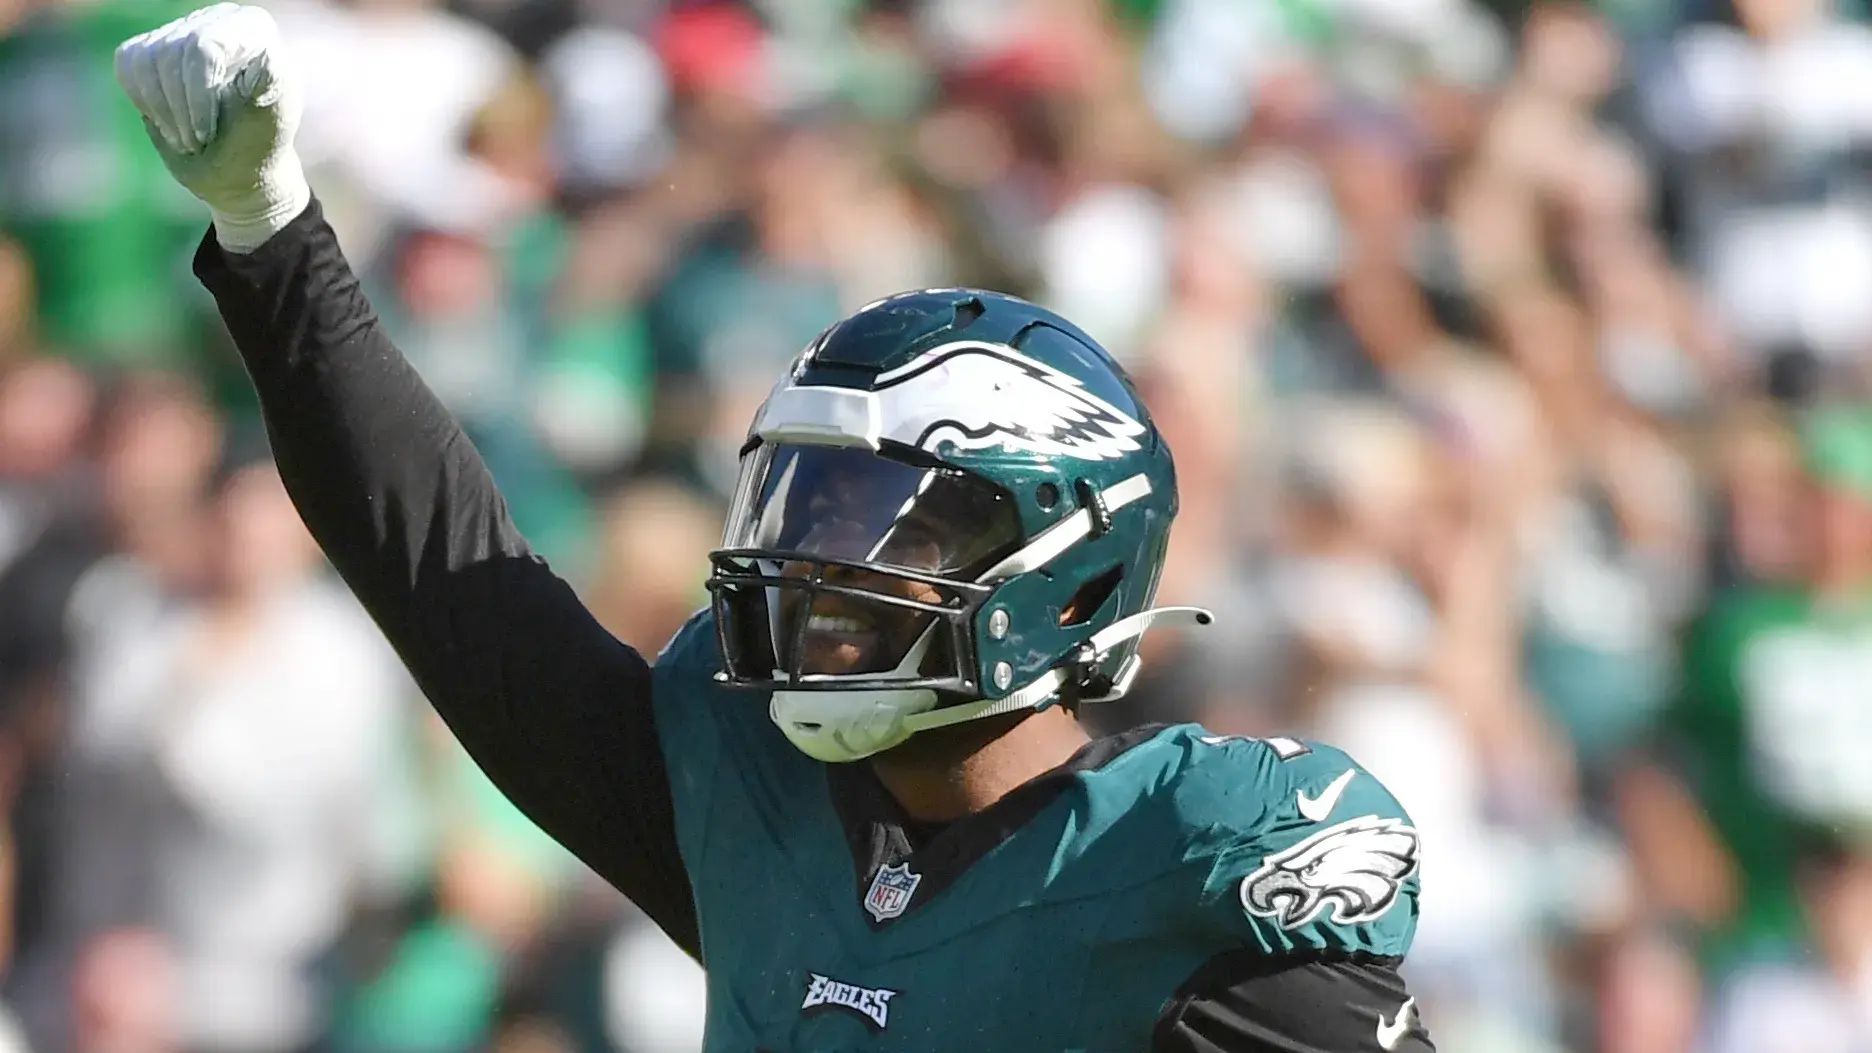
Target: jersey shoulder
x=1297 y=847
x=683 y=701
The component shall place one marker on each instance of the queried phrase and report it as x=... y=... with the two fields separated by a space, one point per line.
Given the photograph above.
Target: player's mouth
x=851 y=635
x=838 y=624
x=839 y=643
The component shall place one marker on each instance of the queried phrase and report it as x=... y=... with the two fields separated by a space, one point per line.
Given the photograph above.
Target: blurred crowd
x=1516 y=356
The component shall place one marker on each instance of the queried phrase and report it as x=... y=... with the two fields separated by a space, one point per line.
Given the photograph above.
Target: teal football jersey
x=1066 y=918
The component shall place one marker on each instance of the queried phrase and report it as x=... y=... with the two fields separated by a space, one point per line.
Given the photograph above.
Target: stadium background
x=1514 y=355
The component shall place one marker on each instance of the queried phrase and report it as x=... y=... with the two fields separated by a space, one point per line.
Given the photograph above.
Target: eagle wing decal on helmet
x=1355 y=868
x=981 y=396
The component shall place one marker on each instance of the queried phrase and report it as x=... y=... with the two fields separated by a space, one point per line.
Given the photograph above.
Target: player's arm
x=555 y=710
x=1245 y=1002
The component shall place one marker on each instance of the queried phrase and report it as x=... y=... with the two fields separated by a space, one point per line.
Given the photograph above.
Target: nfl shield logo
x=891 y=891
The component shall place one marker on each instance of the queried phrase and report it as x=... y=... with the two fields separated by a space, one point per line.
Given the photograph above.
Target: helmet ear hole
x=1091 y=597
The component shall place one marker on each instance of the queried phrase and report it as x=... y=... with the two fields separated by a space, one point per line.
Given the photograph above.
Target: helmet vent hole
x=968 y=312
x=1091 y=597
x=1046 y=495
x=1093 y=502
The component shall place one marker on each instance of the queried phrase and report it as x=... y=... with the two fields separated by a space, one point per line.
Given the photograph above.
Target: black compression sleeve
x=1244 y=1002
x=549 y=704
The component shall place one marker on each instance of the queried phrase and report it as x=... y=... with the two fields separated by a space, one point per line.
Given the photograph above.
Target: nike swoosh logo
x=1391 y=1032
x=1318 y=808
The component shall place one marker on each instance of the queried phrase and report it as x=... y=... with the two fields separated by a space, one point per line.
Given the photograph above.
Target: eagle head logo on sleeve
x=982 y=396
x=1355 y=869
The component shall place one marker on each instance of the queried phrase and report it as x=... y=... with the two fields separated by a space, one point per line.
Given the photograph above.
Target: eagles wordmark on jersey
x=870 y=1003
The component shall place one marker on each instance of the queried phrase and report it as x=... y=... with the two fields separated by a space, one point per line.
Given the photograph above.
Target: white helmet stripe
x=1056 y=539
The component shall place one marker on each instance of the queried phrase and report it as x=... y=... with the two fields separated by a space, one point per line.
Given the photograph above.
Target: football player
x=855 y=788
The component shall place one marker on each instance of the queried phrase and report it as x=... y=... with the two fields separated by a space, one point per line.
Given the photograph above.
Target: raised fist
x=221 y=104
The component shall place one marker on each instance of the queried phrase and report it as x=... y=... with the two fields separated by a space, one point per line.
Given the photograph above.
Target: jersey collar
x=880 y=834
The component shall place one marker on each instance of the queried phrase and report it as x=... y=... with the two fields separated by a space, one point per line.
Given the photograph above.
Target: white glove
x=221 y=104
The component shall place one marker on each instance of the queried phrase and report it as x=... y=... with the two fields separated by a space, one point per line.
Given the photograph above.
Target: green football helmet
x=952 y=506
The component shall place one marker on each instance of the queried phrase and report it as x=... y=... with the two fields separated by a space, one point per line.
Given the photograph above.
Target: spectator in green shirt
x=1773 y=731
x=109 y=236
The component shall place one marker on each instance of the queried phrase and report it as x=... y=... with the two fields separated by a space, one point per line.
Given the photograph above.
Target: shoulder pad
x=1326 y=860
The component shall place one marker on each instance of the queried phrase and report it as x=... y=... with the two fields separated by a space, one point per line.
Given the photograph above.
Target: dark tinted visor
x=870 y=508
x=845 y=563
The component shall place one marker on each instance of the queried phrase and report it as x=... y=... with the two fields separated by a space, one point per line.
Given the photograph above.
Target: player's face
x=845 y=634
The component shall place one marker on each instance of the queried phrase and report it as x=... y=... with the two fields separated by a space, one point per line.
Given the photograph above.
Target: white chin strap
x=838 y=726
x=842 y=726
